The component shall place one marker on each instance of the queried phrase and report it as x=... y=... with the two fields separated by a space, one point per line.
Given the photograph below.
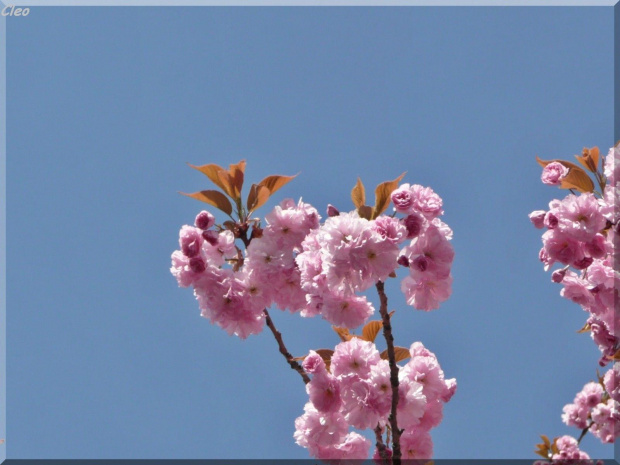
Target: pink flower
x=411 y=401
x=612 y=382
x=569 y=452
x=390 y=229
x=414 y=223
x=426 y=201
x=416 y=443
x=575 y=415
x=426 y=292
x=323 y=389
x=204 y=220
x=576 y=289
x=579 y=217
x=354 y=357
x=612 y=166
x=553 y=173
x=561 y=247
x=353 y=447
x=606 y=418
x=348 y=311
x=430 y=253
x=314 y=430
x=538 y=218
x=190 y=241
x=402 y=199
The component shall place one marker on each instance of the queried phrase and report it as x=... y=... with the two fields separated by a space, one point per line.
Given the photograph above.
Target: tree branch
x=389 y=339
x=283 y=350
x=381 y=446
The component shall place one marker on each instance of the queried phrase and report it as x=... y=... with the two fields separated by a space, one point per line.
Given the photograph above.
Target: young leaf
x=400 y=353
x=576 y=178
x=343 y=333
x=227 y=183
x=275 y=182
x=326 y=354
x=237 y=172
x=371 y=329
x=382 y=195
x=358 y=194
x=545 y=440
x=212 y=172
x=589 y=158
x=215 y=198
x=257 y=196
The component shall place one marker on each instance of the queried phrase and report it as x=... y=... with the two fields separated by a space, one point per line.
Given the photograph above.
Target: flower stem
x=283 y=350
x=389 y=339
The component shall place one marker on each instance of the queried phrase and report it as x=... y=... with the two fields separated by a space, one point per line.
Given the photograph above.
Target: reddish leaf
x=227 y=183
x=358 y=194
x=215 y=198
x=371 y=329
x=237 y=174
x=257 y=197
x=343 y=333
x=212 y=172
x=275 y=182
x=400 y=353
x=576 y=178
x=589 y=158
x=382 y=195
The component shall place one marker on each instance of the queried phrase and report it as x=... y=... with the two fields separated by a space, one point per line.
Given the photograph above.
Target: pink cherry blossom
x=354 y=357
x=553 y=173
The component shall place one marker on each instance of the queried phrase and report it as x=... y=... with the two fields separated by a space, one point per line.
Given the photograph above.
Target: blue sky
x=108 y=358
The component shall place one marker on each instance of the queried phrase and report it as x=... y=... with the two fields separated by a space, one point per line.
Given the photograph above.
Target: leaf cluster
x=230 y=182
x=382 y=198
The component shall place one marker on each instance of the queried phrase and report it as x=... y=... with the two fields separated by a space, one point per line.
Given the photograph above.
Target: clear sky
x=108 y=358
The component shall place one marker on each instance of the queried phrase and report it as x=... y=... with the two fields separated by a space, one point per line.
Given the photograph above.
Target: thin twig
x=381 y=446
x=283 y=350
x=389 y=339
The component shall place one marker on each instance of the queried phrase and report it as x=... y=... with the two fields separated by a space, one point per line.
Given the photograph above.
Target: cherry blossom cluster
x=355 y=391
x=582 y=234
x=565 y=451
x=429 y=256
x=597 y=408
x=294 y=262
x=233 y=289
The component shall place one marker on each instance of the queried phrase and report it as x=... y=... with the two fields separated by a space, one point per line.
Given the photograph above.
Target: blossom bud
x=211 y=237
x=403 y=261
x=413 y=223
x=197 y=265
x=190 y=241
x=551 y=221
x=558 y=275
x=538 y=218
x=204 y=220
x=420 y=263
x=332 y=211
x=583 y=263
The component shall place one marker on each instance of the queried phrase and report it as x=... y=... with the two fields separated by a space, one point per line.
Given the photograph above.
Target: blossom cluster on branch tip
x=355 y=391
x=582 y=233
x=240 y=268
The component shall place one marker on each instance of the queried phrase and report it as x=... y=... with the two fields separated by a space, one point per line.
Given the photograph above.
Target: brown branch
x=283 y=350
x=381 y=446
x=389 y=339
